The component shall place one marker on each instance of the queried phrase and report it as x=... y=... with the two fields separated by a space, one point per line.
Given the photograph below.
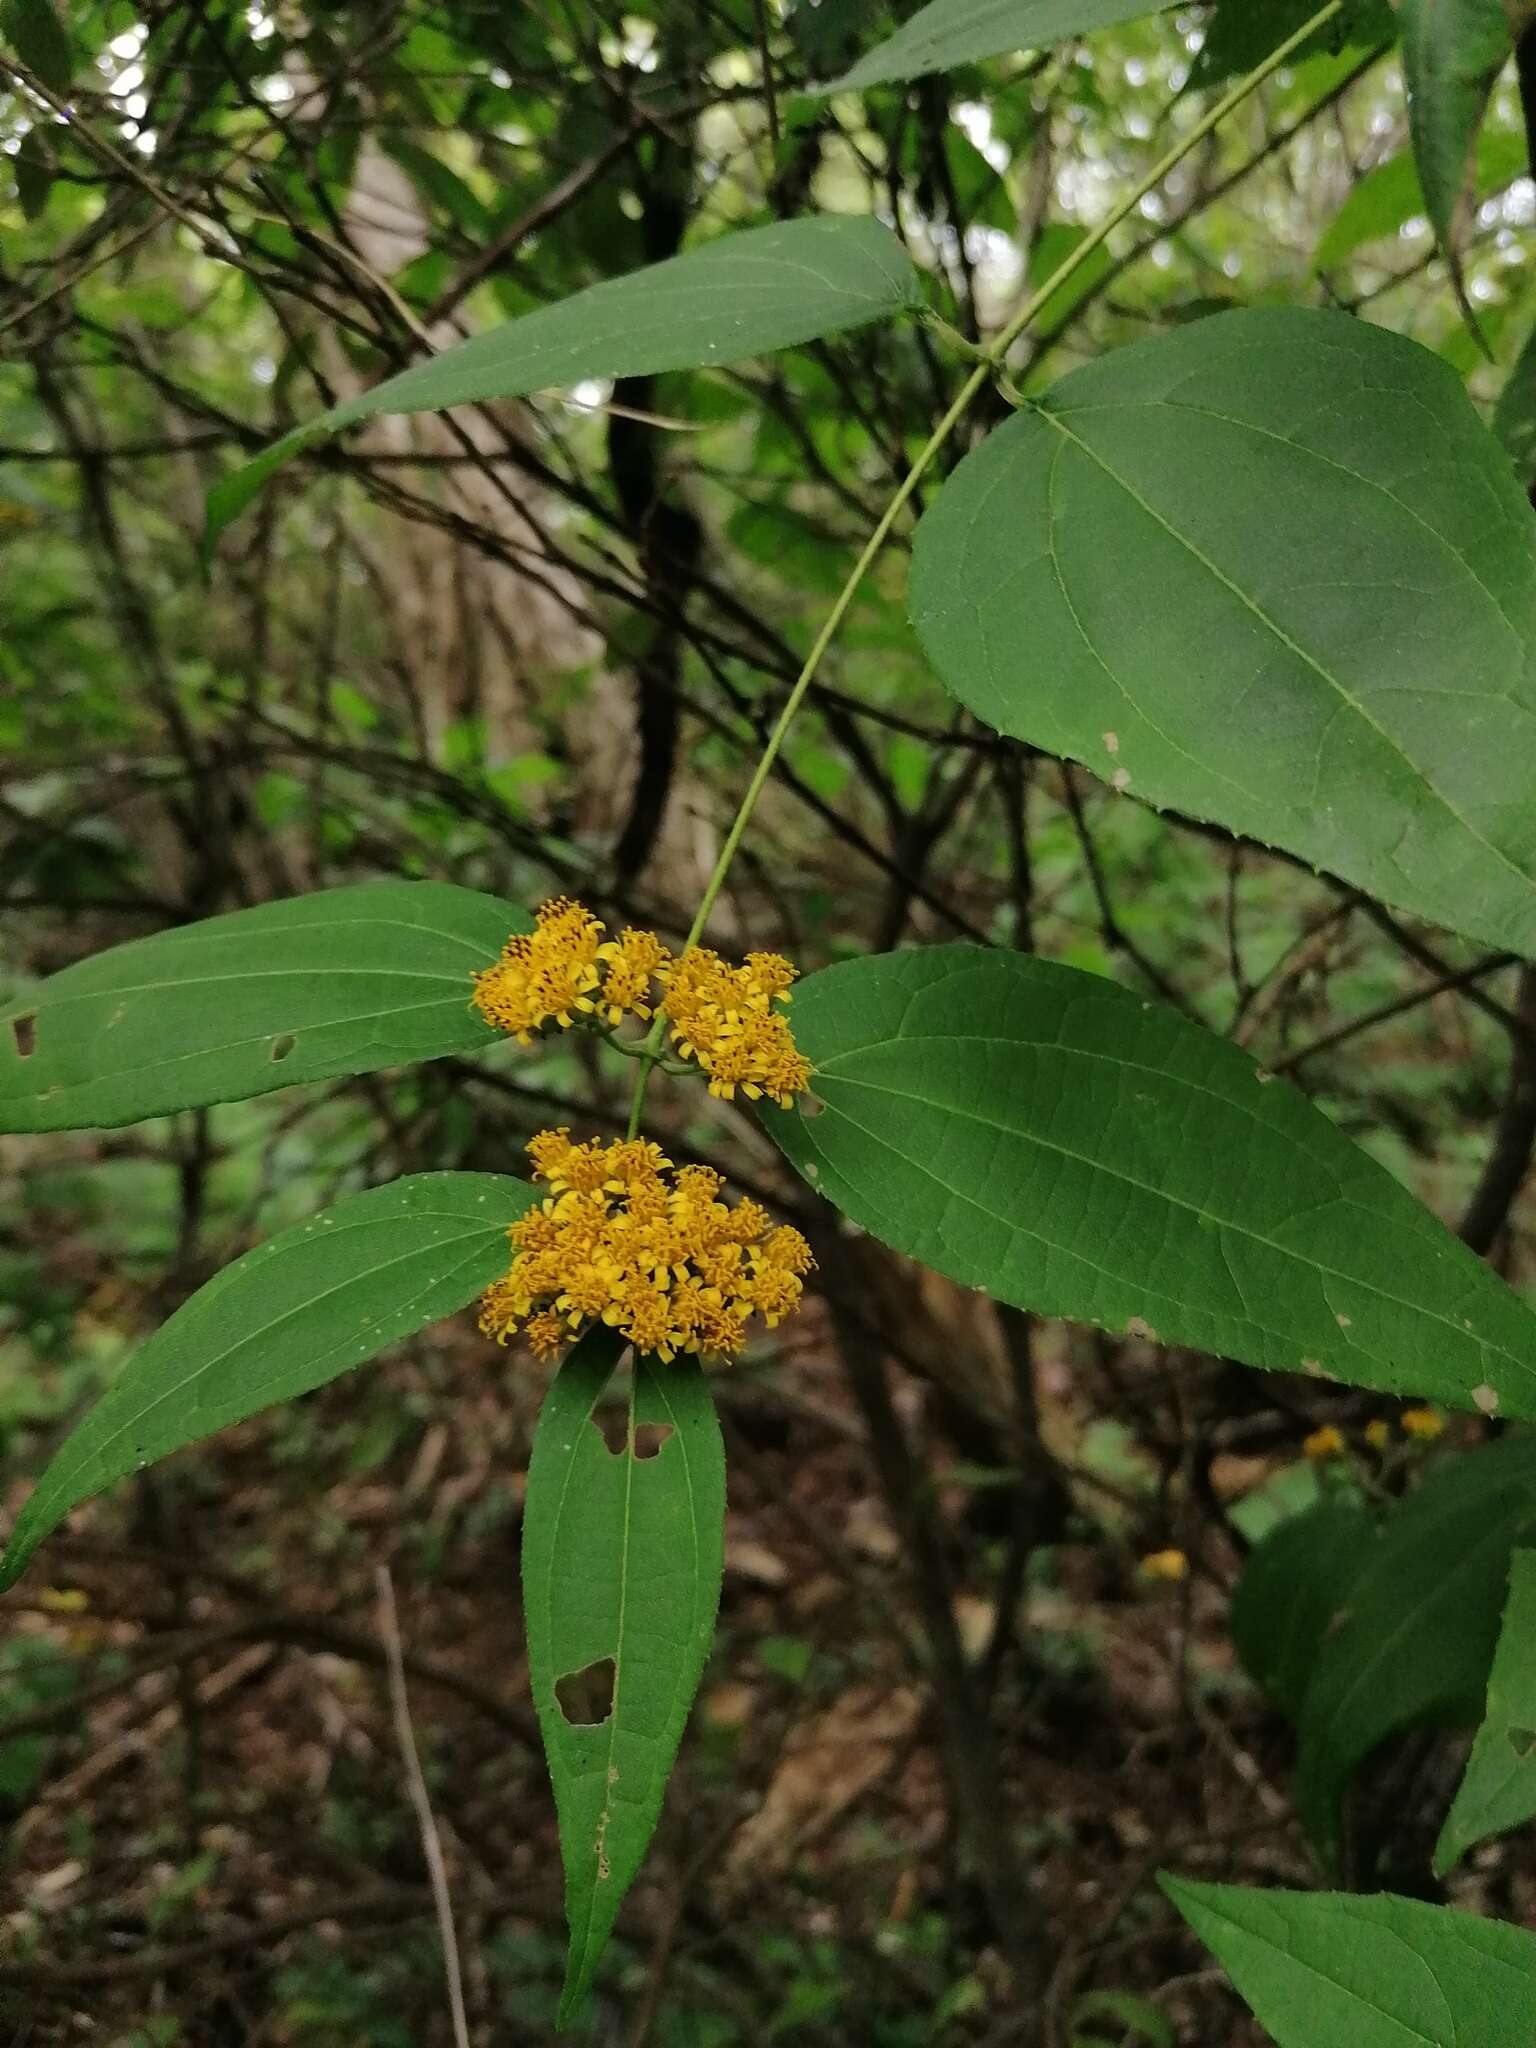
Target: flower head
x=631 y=962
x=543 y=976
x=625 y=1239
x=1168 y=1565
x=724 y=1017
x=1423 y=1424
x=1378 y=1433
x=1324 y=1443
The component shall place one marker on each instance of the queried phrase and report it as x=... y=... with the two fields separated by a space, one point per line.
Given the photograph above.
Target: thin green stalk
x=991 y=362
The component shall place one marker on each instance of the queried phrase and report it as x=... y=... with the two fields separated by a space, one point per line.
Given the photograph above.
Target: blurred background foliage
x=959 y=1711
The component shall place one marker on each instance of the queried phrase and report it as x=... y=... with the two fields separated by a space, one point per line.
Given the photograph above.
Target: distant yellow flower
x=544 y=976
x=1378 y=1434
x=723 y=1017
x=1324 y=1443
x=1424 y=1424
x=652 y=1251
x=1171 y=1565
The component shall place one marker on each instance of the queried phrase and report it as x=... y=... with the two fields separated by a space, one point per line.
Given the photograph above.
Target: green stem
x=990 y=363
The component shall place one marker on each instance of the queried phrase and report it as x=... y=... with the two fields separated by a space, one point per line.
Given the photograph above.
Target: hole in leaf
x=1522 y=1741
x=612 y=1425
x=24 y=1031
x=282 y=1045
x=585 y=1697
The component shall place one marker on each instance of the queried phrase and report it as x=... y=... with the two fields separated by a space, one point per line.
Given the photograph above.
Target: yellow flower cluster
x=721 y=1016
x=625 y=1239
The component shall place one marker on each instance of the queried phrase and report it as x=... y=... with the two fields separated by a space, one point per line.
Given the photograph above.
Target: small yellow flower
x=626 y=1240
x=1423 y=1424
x=631 y=963
x=1324 y=1443
x=724 y=1018
x=1169 y=1565
x=1378 y=1433
x=545 y=976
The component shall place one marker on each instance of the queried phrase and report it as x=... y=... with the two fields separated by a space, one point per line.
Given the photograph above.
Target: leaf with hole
x=341 y=982
x=1270 y=570
x=1293 y=1586
x=1412 y=1643
x=950 y=32
x=1453 y=51
x=623 y=1539
x=745 y=294
x=1498 y=1789
x=1044 y=1134
x=287 y=1317
x=1329 y=1970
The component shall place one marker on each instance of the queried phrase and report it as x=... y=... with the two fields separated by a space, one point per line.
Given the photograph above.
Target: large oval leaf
x=744 y=294
x=1326 y=1970
x=340 y=982
x=287 y=1317
x=1292 y=1586
x=950 y=32
x=1411 y=1645
x=1498 y=1789
x=622 y=1556
x=1045 y=1134
x=1270 y=570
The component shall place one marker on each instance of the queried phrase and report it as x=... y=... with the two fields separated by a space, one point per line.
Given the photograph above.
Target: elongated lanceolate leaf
x=1411 y=1645
x=1498 y=1790
x=1270 y=570
x=745 y=294
x=621 y=1579
x=340 y=982
x=1453 y=50
x=292 y=1314
x=1329 y=1970
x=1045 y=1134
x=1292 y=1586
x=950 y=32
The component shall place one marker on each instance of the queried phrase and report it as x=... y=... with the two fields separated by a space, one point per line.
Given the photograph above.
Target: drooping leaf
x=1413 y=1642
x=1498 y=1789
x=744 y=294
x=34 y=31
x=340 y=982
x=1389 y=196
x=950 y=32
x=1292 y=1586
x=287 y=1317
x=1329 y=1970
x=1045 y=1134
x=622 y=1557
x=32 y=169
x=1270 y=570
x=1453 y=51
x=1514 y=417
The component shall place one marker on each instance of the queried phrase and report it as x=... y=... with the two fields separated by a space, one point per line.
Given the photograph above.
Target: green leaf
x=1498 y=1790
x=340 y=982
x=1453 y=51
x=286 y=1318
x=1413 y=1641
x=1391 y=195
x=1269 y=570
x=1292 y=1586
x=950 y=32
x=1514 y=417
x=40 y=40
x=1244 y=32
x=1327 y=1970
x=1045 y=1134
x=32 y=169
x=743 y=294
x=1133 y=2016
x=621 y=1578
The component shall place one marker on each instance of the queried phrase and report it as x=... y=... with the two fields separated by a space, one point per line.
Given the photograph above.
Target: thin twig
x=431 y=1841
